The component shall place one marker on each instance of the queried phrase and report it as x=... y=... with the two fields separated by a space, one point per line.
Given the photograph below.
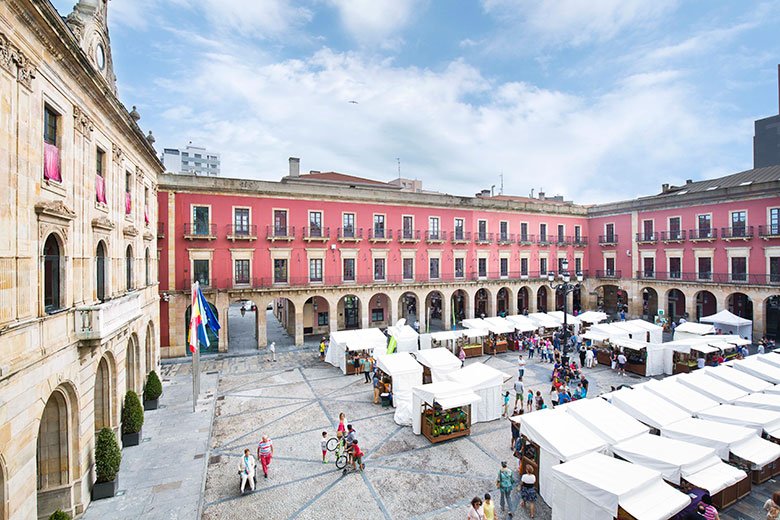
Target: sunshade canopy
x=555 y=431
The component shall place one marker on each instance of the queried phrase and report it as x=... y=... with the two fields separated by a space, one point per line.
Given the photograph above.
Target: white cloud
x=375 y=22
x=257 y=19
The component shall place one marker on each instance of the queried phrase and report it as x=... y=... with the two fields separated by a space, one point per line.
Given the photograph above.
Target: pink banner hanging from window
x=146 y=216
x=51 y=162
x=128 y=203
x=100 y=189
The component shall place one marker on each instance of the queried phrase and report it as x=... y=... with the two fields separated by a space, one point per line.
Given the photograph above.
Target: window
x=704 y=264
x=200 y=269
x=50 y=124
x=315 y=269
x=705 y=226
x=482 y=267
x=738 y=223
x=51 y=152
x=648 y=266
x=774 y=269
x=280 y=270
x=609 y=265
x=433 y=228
x=241 y=221
x=100 y=271
x=379 y=269
x=738 y=269
x=315 y=224
x=675 y=267
x=647 y=230
x=609 y=232
x=100 y=181
x=280 y=222
x=408 y=227
x=200 y=220
x=543 y=232
x=459 y=229
x=322 y=319
x=577 y=265
x=408 y=268
x=543 y=266
x=675 y=228
x=348 y=270
x=503 y=231
x=348 y=225
x=577 y=233
x=524 y=267
x=774 y=221
x=148 y=267
x=51 y=274
x=503 y=266
x=146 y=206
x=482 y=230
x=433 y=268
x=129 y=268
x=560 y=265
x=128 y=193
x=561 y=233
x=460 y=271
x=377 y=314
x=241 y=271
x=379 y=226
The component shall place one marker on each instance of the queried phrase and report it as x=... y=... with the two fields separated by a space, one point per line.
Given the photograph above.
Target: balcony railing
x=206 y=283
x=316 y=233
x=525 y=239
x=608 y=240
x=673 y=236
x=248 y=232
x=736 y=233
x=561 y=240
x=544 y=240
x=483 y=238
x=703 y=234
x=505 y=238
x=579 y=241
x=434 y=237
x=350 y=234
x=612 y=274
x=770 y=231
x=408 y=235
x=161 y=230
x=460 y=237
x=200 y=231
x=707 y=277
x=380 y=235
x=280 y=233
x=647 y=237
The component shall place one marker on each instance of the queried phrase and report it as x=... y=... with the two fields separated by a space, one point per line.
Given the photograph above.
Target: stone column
x=759 y=318
x=299 y=324
x=222 y=304
x=446 y=312
x=262 y=333
x=365 y=312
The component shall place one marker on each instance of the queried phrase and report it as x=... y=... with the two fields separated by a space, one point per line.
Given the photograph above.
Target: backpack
x=505 y=479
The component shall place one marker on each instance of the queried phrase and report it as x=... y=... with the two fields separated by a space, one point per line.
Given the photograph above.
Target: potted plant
x=132 y=420
x=59 y=514
x=152 y=391
x=107 y=459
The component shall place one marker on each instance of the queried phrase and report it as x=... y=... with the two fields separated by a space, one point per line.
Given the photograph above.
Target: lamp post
x=564 y=287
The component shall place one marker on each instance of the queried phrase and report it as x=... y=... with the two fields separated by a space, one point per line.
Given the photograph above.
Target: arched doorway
x=706 y=304
x=103 y=393
x=56 y=432
x=100 y=271
x=611 y=299
x=379 y=305
x=349 y=312
x=212 y=336
x=52 y=261
x=576 y=298
x=242 y=316
x=675 y=304
x=459 y=301
x=279 y=320
x=482 y=303
x=131 y=363
x=772 y=317
x=741 y=305
x=560 y=295
x=408 y=306
x=649 y=303
x=434 y=311
x=503 y=300
x=541 y=299
x=316 y=316
x=523 y=299
x=150 y=362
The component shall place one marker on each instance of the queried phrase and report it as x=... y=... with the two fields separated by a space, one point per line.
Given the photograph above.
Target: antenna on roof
x=398 y=160
x=501 y=191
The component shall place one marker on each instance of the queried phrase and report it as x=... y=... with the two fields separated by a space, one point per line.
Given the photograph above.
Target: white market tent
x=446 y=393
x=680 y=395
x=499 y=325
x=561 y=438
x=610 y=330
x=593 y=486
x=772 y=358
x=755 y=367
x=372 y=341
x=730 y=323
x=405 y=336
x=724 y=439
x=439 y=360
x=446 y=335
x=738 y=378
x=607 y=421
x=648 y=408
x=571 y=320
x=762 y=421
x=763 y=401
x=522 y=323
x=406 y=373
x=656 y=360
x=642 y=330
x=677 y=460
x=592 y=317
x=691 y=329
x=544 y=320
x=486 y=382
x=712 y=387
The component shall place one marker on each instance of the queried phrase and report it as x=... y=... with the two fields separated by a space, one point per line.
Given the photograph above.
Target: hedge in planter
x=132 y=419
x=59 y=514
x=107 y=459
x=152 y=391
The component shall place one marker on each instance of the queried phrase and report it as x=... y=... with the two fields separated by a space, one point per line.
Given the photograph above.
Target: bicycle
x=338 y=447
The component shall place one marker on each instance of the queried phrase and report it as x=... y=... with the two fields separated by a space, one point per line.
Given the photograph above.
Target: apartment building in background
x=191 y=159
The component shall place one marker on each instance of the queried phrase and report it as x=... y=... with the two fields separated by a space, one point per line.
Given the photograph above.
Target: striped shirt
x=265 y=447
x=710 y=512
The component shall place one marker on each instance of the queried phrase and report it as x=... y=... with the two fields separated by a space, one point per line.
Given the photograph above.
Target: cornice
x=56 y=210
x=102 y=223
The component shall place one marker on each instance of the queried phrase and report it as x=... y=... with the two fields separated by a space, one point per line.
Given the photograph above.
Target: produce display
x=442 y=425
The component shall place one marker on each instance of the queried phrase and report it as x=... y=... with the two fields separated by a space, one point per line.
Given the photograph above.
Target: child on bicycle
x=356 y=455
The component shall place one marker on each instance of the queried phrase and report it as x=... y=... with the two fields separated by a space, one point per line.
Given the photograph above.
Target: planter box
x=131 y=439
x=151 y=405
x=105 y=489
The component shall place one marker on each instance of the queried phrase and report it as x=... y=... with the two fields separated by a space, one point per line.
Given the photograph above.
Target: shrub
x=153 y=387
x=132 y=414
x=59 y=514
x=107 y=457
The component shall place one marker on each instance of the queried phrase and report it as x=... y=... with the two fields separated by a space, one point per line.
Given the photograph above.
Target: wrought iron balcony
x=197 y=231
x=316 y=234
x=280 y=233
x=647 y=237
x=460 y=237
x=380 y=235
x=736 y=233
x=610 y=274
x=608 y=240
x=350 y=234
x=706 y=234
x=770 y=231
x=408 y=235
x=677 y=235
x=161 y=229
x=434 y=237
x=248 y=232
x=481 y=238
x=579 y=241
x=506 y=238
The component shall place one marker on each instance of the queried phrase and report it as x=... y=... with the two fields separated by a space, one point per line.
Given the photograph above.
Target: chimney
x=688 y=181
x=295 y=166
x=541 y=195
x=664 y=188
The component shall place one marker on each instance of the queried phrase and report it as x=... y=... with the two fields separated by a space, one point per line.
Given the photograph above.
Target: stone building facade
x=78 y=275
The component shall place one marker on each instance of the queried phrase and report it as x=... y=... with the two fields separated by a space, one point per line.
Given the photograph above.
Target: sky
x=594 y=100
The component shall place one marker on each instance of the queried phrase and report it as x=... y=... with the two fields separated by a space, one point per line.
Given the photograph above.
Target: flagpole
x=196 y=352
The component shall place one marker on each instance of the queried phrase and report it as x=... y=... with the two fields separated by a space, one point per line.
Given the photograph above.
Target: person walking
x=621 y=360
x=589 y=357
x=707 y=509
x=760 y=349
x=505 y=482
x=553 y=396
x=322 y=349
x=489 y=508
x=528 y=490
x=265 y=451
x=475 y=510
x=272 y=350
x=324 y=446
x=520 y=366
x=247 y=470
x=519 y=392
x=365 y=364
x=529 y=401
x=583 y=355
x=462 y=356
x=505 y=410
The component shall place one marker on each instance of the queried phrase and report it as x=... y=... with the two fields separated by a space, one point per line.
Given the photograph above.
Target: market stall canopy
x=765 y=421
x=719 y=436
x=499 y=325
x=711 y=386
x=731 y=323
x=738 y=378
x=343 y=341
x=487 y=383
x=448 y=394
x=607 y=421
x=558 y=433
x=406 y=373
x=522 y=323
x=690 y=328
x=717 y=477
x=570 y=318
x=446 y=335
x=648 y=408
x=610 y=330
x=772 y=358
x=405 y=336
x=439 y=360
x=739 y=341
x=755 y=367
x=594 y=486
x=542 y=319
x=762 y=401
x=592 y=316
x=595 y=335
x=399 y=364
x=680 y=395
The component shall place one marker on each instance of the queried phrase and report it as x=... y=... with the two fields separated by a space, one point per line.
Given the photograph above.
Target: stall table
x=442 y=411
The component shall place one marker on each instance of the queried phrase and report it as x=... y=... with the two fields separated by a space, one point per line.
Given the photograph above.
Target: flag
x=392 y=345
x=201 y=316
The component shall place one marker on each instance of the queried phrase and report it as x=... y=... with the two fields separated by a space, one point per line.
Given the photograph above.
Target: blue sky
x=595 y=100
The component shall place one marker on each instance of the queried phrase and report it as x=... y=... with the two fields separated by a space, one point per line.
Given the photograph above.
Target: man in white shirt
x=272 y=350
x=621 y=359
x=520 y=366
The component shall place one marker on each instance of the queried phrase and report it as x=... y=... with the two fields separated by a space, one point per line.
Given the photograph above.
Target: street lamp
x=565 y=287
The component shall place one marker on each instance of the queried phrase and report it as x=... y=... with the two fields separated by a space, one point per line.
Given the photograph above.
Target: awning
x=717 y=477
x=757 y=451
